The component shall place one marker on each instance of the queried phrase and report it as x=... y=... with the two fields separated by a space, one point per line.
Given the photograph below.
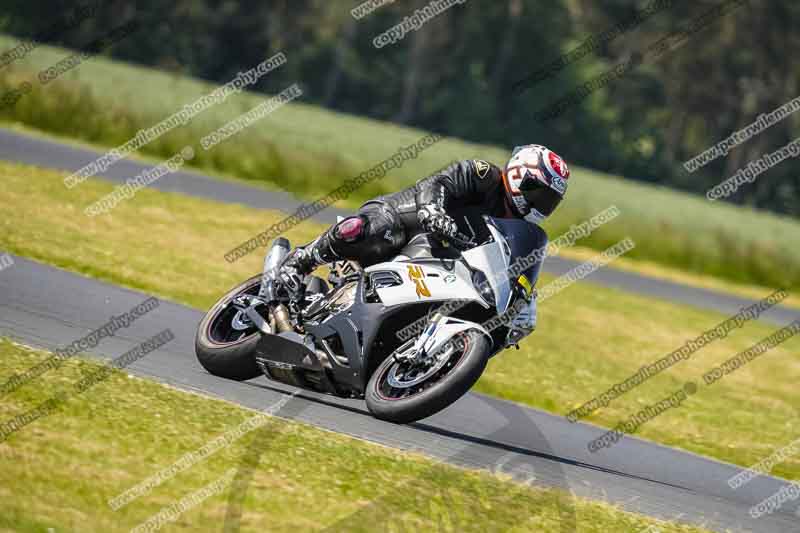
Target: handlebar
x=460 y=241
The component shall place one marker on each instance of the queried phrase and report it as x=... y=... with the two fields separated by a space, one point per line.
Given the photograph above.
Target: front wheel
x=226 y=339
x=403 y=392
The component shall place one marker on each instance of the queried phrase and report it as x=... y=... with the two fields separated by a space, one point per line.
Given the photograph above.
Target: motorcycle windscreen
x=524 y=239
x=471 y=223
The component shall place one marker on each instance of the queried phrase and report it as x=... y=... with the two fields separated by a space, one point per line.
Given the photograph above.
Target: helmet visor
x=539 y=196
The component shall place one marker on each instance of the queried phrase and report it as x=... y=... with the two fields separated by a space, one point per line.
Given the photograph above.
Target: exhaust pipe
x=281 y=315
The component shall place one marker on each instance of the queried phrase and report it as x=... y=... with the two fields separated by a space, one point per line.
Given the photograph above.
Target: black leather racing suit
x=384 y=225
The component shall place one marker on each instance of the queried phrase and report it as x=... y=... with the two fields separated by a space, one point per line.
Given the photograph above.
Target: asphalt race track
x=47 y=307
x=47 y=153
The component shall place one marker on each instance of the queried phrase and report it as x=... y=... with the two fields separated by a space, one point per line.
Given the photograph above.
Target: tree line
x=641 y=87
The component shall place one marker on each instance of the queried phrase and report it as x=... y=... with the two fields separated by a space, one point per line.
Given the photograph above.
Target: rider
x=530 y=187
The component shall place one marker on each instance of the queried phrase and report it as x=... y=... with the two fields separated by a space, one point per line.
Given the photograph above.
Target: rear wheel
x=403 y=392
x=226 y=339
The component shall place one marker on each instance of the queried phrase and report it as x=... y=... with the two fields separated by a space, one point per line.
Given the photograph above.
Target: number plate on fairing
x=426 y=282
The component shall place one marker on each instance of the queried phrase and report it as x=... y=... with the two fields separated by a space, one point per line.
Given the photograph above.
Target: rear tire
x=441 y=394
x=231 y=360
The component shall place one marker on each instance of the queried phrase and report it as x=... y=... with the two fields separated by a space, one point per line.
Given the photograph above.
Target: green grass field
x=60 y=471
x=310 y=151
x=589 y=337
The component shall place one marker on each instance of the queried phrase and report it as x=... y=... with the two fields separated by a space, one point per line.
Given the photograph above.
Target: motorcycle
x=410 y=336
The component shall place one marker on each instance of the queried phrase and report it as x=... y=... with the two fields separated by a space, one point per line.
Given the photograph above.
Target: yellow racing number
x=416 y=274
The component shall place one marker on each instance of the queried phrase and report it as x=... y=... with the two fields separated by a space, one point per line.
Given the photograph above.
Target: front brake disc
x=438 y=362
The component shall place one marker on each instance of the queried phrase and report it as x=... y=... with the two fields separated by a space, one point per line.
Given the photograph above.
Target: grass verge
x=60 y=472
x=310 y=150
x=589 y=337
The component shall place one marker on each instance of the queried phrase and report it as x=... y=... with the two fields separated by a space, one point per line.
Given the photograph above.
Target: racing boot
x=302 y=262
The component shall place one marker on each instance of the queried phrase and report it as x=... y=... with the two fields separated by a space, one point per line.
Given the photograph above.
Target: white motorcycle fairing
x=433 y=280
x=430 y=280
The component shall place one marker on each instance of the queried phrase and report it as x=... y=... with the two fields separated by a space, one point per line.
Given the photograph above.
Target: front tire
x=396 y=405
x=220 y=348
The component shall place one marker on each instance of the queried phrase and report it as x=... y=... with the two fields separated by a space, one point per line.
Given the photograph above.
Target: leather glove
x=434 y=220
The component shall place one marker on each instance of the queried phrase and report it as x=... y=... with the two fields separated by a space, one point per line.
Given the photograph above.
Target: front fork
x=422 y=345
x=440 y=329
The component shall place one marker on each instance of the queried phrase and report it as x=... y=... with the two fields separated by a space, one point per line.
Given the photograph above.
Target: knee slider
x=349 y=230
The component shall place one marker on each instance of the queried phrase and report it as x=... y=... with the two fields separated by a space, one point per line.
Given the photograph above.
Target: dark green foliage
x=455 y=74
